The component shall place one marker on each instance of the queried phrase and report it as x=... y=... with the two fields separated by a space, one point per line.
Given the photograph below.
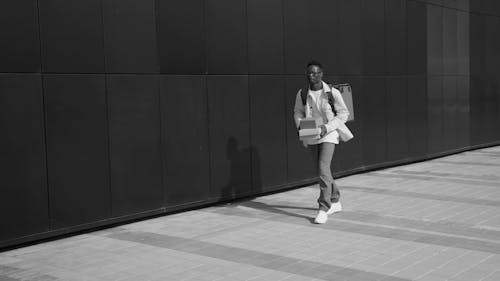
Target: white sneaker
x=321 y=218
x=335 y=208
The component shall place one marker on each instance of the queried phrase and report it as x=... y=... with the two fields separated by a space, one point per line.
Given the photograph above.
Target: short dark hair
x=315 y=63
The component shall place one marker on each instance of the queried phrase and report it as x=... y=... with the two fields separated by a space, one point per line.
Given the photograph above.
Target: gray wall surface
x=112 y=110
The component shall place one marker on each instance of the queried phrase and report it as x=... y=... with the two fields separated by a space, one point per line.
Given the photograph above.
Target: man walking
x=315 y=103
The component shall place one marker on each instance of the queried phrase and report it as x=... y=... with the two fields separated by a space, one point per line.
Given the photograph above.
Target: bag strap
x=331 y=99
x=303 y=95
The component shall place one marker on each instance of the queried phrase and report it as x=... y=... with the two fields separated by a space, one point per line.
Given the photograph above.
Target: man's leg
x=335 y=193
x=328 y=189
x=314 y=154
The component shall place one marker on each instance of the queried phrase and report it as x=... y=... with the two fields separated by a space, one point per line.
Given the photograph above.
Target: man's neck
x=316 y=87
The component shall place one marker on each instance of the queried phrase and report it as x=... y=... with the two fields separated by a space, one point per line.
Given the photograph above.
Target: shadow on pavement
x=277 y=209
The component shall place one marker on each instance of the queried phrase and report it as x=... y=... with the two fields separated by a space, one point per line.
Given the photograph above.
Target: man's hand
x=323 y=131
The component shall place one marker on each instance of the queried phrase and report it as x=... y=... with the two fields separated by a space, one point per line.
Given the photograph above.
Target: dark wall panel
x=490 y=100
x=491 y=7
x=185 y=139
x=134 y=129
x=496 y=7
x=267 y=116
x=130 y=36
x=20 y=44
x=301 y=164
x=305 y=20
x=435 y=114
x=397 y=122
x=463 y=111
x=492 y=46
x=72 y=35
x=434 y=40
x=477 y=110
x=478 y=81
x=477 y=48
x=483 y=6
x=226 y=36
x=435 y=2
x=463 y=5
x=452 y=3
x=475 y=6
x=416 y=37
x=297 y=26
x=372 y=36
x=374 y=120
x=450 y=42
x=181 y=36
x=229 y=129
x=417 y=115
x=77 y=149
x=350 y=51
x=324 y=25
x=450 y=110
x=22 y=165
x=463 y=45
x=496 y=91
x=265 y=36
x=395 y=36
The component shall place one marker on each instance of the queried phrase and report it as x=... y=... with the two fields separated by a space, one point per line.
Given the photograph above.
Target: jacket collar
x=326 y=88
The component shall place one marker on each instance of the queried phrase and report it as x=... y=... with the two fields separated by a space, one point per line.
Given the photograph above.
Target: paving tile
x=271 y=275
x=492 y=277
x=432 y=278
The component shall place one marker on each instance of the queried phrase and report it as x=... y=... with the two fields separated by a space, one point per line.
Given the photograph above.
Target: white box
x=309 y=134
x=310 y=123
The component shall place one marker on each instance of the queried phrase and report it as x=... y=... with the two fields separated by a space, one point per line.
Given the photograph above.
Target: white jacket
x=324 y=111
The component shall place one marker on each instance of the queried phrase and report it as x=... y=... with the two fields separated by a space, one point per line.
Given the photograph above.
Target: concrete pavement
x=430 y=221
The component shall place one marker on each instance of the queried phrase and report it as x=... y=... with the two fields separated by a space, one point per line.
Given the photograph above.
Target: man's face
x=314 y=74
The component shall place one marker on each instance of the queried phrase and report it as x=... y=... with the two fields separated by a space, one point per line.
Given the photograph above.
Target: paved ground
x=436 y=220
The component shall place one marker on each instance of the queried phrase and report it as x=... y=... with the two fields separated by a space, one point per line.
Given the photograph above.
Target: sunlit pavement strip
x=434 y=220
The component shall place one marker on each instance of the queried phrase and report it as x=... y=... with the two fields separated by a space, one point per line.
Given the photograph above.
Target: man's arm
x=299 y=110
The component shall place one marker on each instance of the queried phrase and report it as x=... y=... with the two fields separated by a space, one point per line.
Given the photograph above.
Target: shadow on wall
x=244 y=178
x=238 y=182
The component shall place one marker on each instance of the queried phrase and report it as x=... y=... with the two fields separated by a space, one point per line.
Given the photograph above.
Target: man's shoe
x=321 y=218
x=336 y=207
